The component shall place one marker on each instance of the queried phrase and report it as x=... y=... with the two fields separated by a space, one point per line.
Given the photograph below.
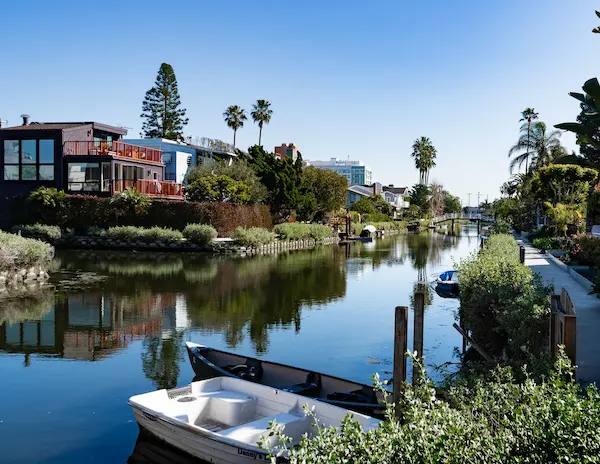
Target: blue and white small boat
x=448 y=281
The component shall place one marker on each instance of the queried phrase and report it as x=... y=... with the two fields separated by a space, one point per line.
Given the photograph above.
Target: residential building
x=356 y=172
x=178 y=157
x=78 y=157
x=395 y=196
x=288 y=151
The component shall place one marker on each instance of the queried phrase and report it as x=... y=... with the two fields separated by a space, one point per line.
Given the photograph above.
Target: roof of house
x=361 y=190
x=396 y=190
x=65 y=125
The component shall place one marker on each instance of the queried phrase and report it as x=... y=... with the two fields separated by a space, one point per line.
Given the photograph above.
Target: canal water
x=116 y=323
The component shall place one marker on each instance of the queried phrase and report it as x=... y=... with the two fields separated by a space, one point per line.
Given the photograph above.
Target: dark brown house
x=78 y=157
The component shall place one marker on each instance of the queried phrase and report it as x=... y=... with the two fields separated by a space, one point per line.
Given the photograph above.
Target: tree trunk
x=259 y=133
x=234 y=131
x=528 y=145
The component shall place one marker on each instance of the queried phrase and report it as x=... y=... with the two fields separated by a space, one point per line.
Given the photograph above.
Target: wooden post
x=522 y=254
x=482 y=242
x=418 y=329
x=400 y=342
x=478 y=226
x=452 y=226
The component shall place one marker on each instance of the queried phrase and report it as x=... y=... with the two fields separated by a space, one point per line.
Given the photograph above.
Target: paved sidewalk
x=587 y=309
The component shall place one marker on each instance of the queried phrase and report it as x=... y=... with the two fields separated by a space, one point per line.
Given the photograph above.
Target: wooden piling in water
x=400 y=345
x=418 y=329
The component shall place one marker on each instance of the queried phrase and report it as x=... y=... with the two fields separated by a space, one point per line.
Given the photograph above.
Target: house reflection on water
x=88 y=326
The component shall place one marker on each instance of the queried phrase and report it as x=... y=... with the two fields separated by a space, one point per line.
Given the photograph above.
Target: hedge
x=253 y=236
x=39 y=230
x=17 y=252
x=80 y=212
x=152 y=234
x=200 y=234
x=297 y=231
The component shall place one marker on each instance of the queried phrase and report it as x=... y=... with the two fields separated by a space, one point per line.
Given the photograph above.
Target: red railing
x=116 y=149
x=155 y=188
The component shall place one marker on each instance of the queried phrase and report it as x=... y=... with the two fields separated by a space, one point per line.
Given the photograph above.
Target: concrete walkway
x=587 y=309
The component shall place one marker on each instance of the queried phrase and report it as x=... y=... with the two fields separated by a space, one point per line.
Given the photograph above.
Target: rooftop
x=37 y=126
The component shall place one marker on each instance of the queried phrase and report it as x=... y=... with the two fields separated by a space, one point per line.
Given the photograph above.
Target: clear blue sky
x=345 y=78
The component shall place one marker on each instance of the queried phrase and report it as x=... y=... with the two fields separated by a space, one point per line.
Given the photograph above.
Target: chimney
x=25 y=119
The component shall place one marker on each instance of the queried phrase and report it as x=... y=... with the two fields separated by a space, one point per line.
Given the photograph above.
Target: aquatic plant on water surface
x=483 y=419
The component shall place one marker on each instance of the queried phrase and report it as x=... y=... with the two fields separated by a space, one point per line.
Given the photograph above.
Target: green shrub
x=94 y=231
x=586 y=250
x=544 y=243
x=130 y=201
x=319 y=231
x=153 y=234
x=253 y=236
x=500 y=227
x=39 y=230
x=375 y=217
x=17 y=252
x=357 y=228
x=492 y=420
x=292 y=231
x=200 y=234
x=503 y=303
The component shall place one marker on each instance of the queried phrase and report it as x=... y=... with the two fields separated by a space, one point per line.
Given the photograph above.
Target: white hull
x=197 y=445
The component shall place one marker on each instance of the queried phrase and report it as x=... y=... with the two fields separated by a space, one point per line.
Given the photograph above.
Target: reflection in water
x=329 y=310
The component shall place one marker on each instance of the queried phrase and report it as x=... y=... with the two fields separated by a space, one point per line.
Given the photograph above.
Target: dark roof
x=66 y=125
x=396 y=190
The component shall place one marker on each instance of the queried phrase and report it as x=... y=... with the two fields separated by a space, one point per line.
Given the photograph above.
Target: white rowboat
x=222 y=419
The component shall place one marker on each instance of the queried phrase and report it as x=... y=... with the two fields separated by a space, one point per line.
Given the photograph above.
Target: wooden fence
x=563 y=326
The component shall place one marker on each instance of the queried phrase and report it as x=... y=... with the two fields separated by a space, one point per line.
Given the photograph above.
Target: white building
x=357 y=172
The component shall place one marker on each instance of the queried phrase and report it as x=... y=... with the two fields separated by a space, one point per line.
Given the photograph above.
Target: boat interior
x=293 y=380
x=239 y=410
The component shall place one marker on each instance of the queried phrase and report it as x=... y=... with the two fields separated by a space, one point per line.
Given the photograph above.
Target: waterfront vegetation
x=200 y=234
x=39 y=230
x=252 y=236
x=297 y=231
x=17 y=252
x=488 y=418
x=141 y=234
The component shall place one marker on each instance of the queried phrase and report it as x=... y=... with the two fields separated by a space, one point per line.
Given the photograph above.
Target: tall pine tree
x=163 y=117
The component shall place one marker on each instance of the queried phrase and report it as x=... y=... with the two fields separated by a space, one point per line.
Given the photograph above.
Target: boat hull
x=194 y=443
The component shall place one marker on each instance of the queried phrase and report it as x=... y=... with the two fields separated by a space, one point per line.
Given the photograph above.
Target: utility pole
x=469 y=203
x=478 y=195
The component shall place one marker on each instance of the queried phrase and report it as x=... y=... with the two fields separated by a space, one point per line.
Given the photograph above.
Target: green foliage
x=537 y=147
x=261 y=114
x=451 y=203
x=500 y=227
x=48 y=203
x=17 y=252
x=545 y=243
x=130 y=202
x=424 y=154
x=234 y=118
x=492 y=420
x=222 y=189
x=363 y=206
x=297 y=231
x=563 y=215
x=239 y=170
x=152 y=234
x=586 y=250
x=253 y=236
x=200 y=234
x=503 y=303
x=39 y=230
x=419 y=197
x=565 y=183
x=163 y=117
x=373 y=205
x=328 y=188
x=292 y=231
x=306 y=208
x=374 y=217
x=84 y=211
x=282 y=178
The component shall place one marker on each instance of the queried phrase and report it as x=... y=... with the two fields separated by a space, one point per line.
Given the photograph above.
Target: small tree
x=328 y=188
x=163 y=117
x=218 y=189
x=563 y=215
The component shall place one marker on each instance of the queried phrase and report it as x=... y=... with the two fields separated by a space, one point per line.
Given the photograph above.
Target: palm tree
x=261 y=114
x=529 y=115
x=424 y=154
x=234 y=117
x=536 y=142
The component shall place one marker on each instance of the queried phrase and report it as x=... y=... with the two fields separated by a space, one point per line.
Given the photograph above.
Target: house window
x=29 y=160
x=83 y=177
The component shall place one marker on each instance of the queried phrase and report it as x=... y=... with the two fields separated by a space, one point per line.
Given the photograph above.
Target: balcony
x=153 y=188
x=115 y=150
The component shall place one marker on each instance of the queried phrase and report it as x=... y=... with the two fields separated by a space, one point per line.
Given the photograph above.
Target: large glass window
x=28 y=160
x=83 y=177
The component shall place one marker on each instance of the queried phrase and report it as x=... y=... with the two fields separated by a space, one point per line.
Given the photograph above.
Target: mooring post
x=478 y=226
x=482 y=243
x=400 y=344
x=418 y=331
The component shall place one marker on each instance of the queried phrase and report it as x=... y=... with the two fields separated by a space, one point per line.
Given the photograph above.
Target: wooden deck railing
x=114 y=149
x=150 y=187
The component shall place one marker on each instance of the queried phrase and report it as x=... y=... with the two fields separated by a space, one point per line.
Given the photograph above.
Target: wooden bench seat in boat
x=251 y=432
